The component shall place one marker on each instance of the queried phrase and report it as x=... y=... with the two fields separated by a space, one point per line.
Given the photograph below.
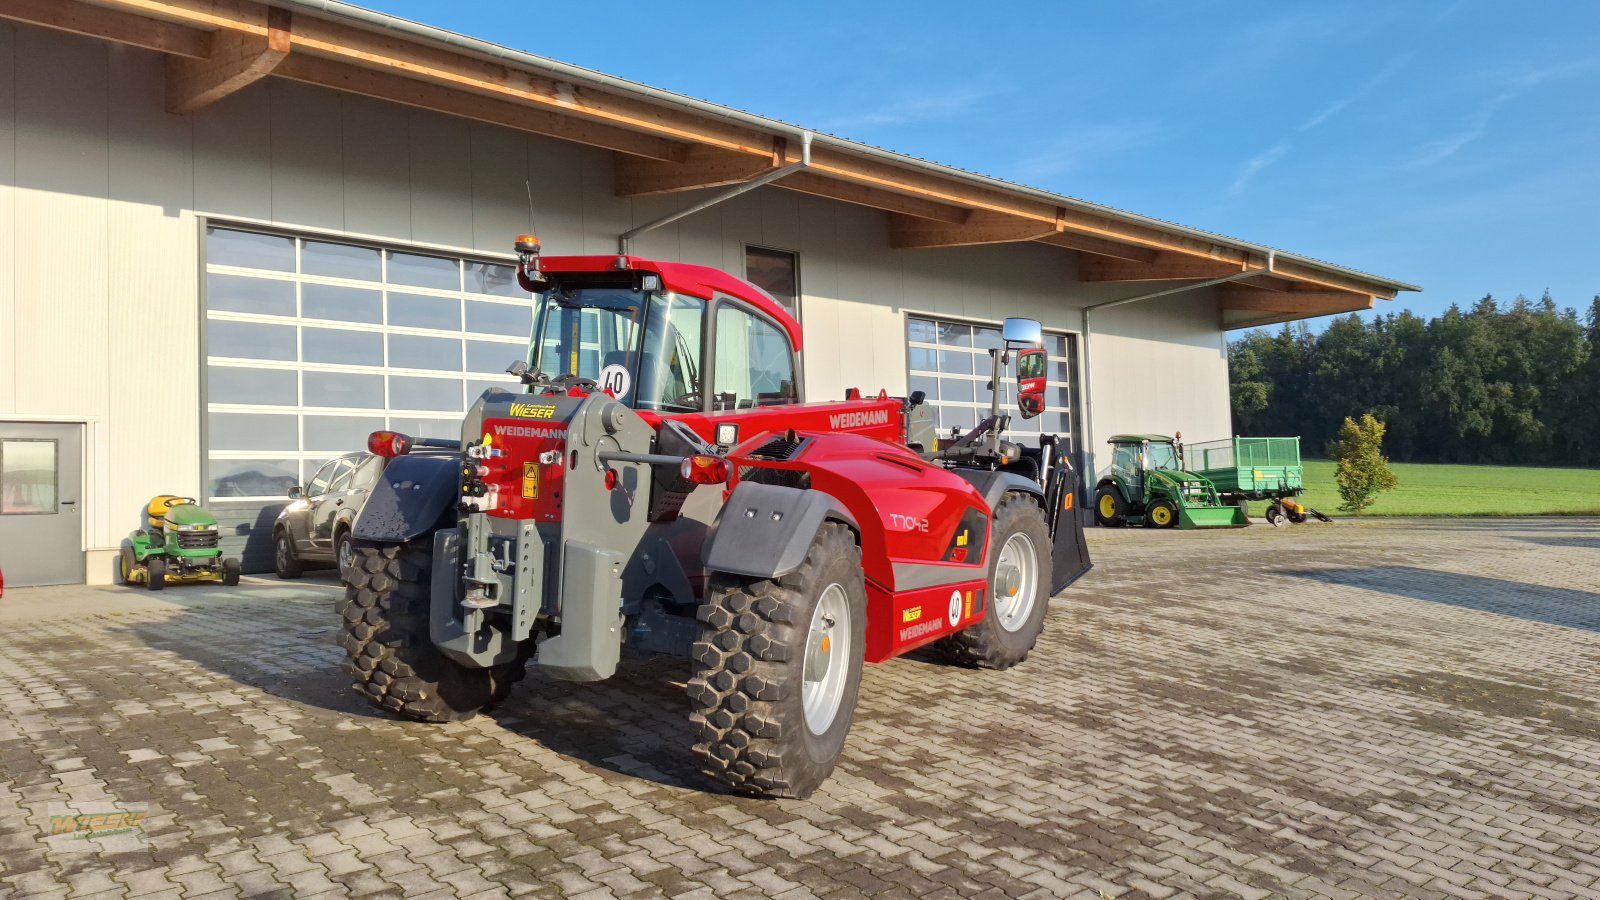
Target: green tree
x=1360 y=467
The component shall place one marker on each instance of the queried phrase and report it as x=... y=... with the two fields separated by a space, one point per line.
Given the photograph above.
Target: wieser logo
x=95 y=827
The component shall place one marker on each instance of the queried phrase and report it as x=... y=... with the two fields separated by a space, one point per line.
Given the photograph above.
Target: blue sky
x=1455 y=145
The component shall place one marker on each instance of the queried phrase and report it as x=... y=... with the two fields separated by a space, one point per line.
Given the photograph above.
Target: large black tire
x=230 y=572
x=156 y=569
x=997 y=643
x=390 y=654
x=1276 y=516
x=1244 y=508
x=125 y=563
x=1117 y=514
x=284 y=560
x=749 y=670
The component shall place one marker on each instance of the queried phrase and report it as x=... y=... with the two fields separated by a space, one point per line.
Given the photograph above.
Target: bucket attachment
x=1227 y=516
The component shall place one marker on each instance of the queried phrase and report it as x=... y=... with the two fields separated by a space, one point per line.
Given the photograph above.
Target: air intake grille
x=777 y=450
x=197 y=540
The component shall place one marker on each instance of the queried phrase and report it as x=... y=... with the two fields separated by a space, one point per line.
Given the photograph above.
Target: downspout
x=1088 y=356
x=625 y=240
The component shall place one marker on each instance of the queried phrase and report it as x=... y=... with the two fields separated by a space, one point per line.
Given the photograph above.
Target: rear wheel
x=125 y=563
x=344 y=555
x=389 y=651
x=230 y=571
x=1019 y=589
x=157 y=568
x=1244 y=508
x=1162 y=514
x=1109 y=510
x=777 y=669
x=284 y=560
x=1275 y=515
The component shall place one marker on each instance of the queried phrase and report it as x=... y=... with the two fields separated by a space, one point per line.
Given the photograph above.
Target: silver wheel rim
x=347 y=554
x=283 y=552
x=1014 y=581
x=827 y=662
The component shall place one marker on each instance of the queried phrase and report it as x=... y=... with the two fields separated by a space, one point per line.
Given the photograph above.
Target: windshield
x=1161 y=456
x=643 y=346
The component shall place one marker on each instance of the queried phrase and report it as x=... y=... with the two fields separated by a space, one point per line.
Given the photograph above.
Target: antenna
x=527 y=186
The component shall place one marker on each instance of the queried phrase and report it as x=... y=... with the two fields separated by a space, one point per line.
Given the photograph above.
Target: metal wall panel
x=150 y=308
x=307 y=155
x=441 y=180
x=376 y=166
x=8 y=217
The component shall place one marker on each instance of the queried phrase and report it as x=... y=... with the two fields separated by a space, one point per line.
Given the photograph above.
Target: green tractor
x=1147 y=485
x=176 y=541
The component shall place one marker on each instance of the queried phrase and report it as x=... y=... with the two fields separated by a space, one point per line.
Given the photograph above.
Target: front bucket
x=1229 y=516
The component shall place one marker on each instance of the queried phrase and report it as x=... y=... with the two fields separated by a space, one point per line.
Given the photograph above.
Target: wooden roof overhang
x=664 y=143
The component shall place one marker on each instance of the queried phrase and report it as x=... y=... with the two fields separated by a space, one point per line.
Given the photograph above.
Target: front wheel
x=1162 y=514
x=777 y=669
x=389 y=650
x=156 y=569
x=344 y=555
x=1276 y=515
x=1019 y=589
x=284 y=560
x=230 y=572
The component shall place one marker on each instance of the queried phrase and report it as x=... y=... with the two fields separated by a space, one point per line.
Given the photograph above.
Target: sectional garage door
x=949 y=362
x=312 y=343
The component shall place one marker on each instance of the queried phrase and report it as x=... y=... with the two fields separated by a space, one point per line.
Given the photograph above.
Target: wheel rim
x=347 y=554
x=1108 y=507
x=283 y=553
x=827 y=662
x=1160 y=515
x=1015 y=573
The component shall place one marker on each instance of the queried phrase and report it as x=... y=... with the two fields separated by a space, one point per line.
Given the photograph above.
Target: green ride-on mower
x=176 y=541
x=1147 y=485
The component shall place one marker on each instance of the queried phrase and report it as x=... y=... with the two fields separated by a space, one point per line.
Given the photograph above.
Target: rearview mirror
x=1025 y=332
x=1030 y=378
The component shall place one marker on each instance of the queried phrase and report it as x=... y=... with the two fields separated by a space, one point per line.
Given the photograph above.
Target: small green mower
x=176 y=542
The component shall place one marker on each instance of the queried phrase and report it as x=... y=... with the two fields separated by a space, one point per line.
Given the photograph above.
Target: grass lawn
x=1442 y=490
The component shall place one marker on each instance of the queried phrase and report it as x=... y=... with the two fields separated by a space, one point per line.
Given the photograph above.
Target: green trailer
x=1254 y=468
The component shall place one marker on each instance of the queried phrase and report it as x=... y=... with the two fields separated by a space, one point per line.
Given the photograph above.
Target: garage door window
x=949 y=362
x=312 y=343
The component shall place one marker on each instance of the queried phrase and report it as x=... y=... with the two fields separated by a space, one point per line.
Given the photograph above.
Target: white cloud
x=1082 y=146
x=911 y=110
x=1255 y=164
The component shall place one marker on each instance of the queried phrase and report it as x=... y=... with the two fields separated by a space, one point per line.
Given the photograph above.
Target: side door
x=41 y=527
x=325 y=509
x=753 y=364
x=300 y=524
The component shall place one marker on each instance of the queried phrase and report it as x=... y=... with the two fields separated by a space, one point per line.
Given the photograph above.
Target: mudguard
x=414 y=493
x=993 y=484
x=765 y=530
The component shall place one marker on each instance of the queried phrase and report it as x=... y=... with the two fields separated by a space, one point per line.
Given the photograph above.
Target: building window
x=778 y=273
x=311 y=344
x=949 y=362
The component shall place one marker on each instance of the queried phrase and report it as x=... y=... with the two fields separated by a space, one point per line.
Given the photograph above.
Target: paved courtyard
x=1351 y=710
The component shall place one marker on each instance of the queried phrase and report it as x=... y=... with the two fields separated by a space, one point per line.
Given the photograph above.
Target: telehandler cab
x=662 y=484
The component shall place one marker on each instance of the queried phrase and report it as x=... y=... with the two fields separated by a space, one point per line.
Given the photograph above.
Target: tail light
x=388 y=444
x=704 y=469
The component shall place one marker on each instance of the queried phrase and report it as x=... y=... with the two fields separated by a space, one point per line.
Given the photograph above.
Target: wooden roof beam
x=981 y=227
x=1279 y=306
x=109 y=24
x=877 y=198
x=1164 y=266
x=1100 y=246
x=701 y=167
x=438 y=98
x=236 y=60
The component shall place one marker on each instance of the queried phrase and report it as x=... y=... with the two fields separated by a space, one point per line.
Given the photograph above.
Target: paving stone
x=1364 y=709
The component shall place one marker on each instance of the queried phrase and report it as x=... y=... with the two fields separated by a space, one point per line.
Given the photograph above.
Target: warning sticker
x=530 y=481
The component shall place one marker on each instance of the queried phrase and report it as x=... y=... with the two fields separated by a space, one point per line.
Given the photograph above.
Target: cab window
x=754 y=363
x=669 y=368
x=367 y=473
x=1126 y=458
